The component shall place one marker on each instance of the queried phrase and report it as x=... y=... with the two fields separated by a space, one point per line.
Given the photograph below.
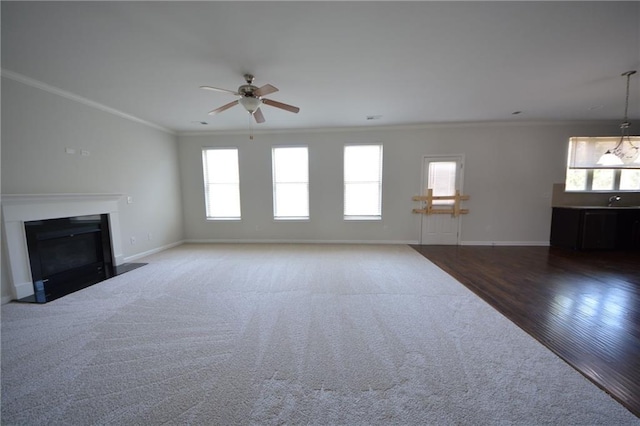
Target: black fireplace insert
x=68 y=254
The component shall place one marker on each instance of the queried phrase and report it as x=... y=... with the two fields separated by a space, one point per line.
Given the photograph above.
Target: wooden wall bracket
x=454 y=210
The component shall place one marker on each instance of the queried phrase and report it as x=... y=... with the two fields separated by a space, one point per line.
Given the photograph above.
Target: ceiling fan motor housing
x=247 y=89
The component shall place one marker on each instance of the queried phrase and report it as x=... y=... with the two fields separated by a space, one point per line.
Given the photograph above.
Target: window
x=221 y=183
x=442 y=180
x=585 y=174
x=630 y=180
x=363 y=182
x=290 y=183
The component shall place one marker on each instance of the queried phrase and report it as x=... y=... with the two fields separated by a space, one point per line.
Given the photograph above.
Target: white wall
x=125 y=157
x=510 y=172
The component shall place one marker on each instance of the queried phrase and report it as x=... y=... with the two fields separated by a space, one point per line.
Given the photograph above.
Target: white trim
x=6 y=299
x=275 y=241
x=10 y=199
x=460 y=159
x=362 y=218
x=506 y=243
x=152 y=251
x=20 y=208
x=443 y=125
x=72 y=96
x=453 y=124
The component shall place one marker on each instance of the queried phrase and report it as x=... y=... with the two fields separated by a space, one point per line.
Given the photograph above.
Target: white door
x=442 y=174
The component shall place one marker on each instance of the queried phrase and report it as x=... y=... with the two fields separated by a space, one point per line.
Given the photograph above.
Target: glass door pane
x=442 y=180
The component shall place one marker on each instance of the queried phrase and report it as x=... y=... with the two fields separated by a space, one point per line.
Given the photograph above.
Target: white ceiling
x=409 y=62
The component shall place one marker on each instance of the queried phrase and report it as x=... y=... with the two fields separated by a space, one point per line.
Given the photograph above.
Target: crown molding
x=416 y=126
x=76 y=98
x=400 y=127
x=11 y=199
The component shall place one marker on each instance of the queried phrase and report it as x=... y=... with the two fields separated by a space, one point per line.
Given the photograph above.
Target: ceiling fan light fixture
x=251 y=98
x=250 y=103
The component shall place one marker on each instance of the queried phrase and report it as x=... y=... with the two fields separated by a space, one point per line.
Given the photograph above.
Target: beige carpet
x=284 y=334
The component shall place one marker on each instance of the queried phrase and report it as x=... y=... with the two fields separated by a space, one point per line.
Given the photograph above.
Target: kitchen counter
x=598 y=207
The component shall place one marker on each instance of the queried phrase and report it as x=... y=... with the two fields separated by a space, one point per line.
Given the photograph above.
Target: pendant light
x=625 y=151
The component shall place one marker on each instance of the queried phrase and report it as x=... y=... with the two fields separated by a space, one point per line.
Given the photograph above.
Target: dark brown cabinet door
x=599 y=230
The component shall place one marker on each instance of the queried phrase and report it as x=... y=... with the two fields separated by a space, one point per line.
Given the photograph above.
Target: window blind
x=290 y=182
x=442 y=180
x=221 y=183
x=363 y=181
x=584 y=152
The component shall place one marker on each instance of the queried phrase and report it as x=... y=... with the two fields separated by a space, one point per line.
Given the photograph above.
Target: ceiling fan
x=251 y=98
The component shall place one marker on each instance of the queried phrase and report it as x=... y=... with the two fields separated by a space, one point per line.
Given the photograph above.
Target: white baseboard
x=505 y=243
x=23 y=289
x=152 y=251
x=270 y=241
x=392 y=242
x=6 y=299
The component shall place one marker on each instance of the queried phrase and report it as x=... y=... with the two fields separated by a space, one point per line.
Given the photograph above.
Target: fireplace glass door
x=68 y=254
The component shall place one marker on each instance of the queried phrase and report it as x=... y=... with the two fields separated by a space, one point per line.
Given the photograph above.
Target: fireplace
x=18 y=210
x=68 y=254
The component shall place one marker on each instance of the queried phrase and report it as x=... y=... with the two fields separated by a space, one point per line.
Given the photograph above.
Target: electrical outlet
x=70 y=150
x=133 y=240
x=129 y=200
x=85 y=153
x=150 y=236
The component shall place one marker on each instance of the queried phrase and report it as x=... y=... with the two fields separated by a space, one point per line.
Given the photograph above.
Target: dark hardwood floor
x=584 y=306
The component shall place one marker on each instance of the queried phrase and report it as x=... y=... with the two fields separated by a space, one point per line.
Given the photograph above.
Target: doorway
x=444 y=175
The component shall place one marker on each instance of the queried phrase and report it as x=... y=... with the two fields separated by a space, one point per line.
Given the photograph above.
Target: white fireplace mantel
x=20 y=208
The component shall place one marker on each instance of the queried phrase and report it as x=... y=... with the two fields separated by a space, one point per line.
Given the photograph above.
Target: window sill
x=362 y=218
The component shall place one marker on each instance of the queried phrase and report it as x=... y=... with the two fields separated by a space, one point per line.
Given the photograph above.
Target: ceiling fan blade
x=265 y=90
x=258 y=116
x=223 y=108
x=280 y=105
x=217 y=89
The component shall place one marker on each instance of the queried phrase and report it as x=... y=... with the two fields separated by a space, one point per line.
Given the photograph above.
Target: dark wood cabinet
x=628 y=229
x=589 y=228
x=599 y=229
x=565 y=227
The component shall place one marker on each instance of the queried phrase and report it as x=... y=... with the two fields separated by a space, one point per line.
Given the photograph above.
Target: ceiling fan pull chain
x=250 y=127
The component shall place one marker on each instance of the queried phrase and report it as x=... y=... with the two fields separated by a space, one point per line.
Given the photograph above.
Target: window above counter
x=587 y=172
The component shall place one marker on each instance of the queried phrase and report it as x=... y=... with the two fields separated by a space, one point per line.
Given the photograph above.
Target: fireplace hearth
x=68 y=254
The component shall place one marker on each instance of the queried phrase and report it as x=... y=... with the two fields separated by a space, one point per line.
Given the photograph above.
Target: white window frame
x=207 y=182
x=377 y=216
x=276 y=184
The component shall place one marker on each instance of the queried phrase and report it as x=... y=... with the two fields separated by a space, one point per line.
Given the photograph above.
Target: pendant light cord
x=624 y=126
x=626 y=102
